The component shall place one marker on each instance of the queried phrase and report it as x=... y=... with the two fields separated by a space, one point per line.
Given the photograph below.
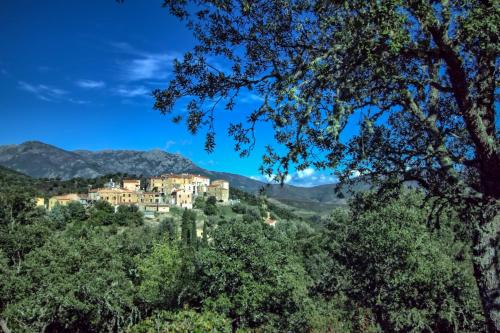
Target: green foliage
x=205 y=233
x=161 y=276
x=211 y=206
x=76 y=211
x=17 y=240
x=210 y=210
x=211 y=201
x=15 y=204
x=72 y=283
x=280 y=212
x=183 y=321
x=239 y=208
x=102 y=213
x=406 y=274
x=383 y=265
x=7 y=277
x=199 y=202
x=248 y=274
x=237 y=194
x=129 y=215
x=252 y=214
x=104 y=206
x=168 y=227
x=188 y=228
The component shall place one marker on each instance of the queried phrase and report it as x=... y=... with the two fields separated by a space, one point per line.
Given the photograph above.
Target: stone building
x=115 y=196
x=132 y=184
x=220 y=190
x=65 y=199
x=183 y=198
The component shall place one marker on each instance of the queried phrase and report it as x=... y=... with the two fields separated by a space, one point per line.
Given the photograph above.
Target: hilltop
x=40 y=160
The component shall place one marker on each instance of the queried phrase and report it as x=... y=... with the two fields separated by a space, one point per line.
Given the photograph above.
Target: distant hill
x=13 y=178
x=41 y=160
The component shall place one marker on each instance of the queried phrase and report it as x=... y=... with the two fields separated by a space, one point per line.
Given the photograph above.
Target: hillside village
x=159 y=194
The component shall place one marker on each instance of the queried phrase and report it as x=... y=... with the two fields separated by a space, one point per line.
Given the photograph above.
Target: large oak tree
x=420 y=76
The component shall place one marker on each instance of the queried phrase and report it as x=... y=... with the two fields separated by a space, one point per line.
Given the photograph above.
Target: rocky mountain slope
x=41 y=160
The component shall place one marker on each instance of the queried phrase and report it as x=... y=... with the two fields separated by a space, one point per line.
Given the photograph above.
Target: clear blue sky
x=78 y=75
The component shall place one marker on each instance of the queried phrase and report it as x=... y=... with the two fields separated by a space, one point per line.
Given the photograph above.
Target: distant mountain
x=40 y=160
x=147 y=163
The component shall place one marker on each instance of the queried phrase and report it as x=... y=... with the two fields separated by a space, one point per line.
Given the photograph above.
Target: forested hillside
x=380 y=265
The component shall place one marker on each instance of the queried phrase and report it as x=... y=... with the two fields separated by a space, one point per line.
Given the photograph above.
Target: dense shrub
x=183 y=321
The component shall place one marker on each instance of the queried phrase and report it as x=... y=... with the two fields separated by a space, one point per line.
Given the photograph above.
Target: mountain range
x=41 y=160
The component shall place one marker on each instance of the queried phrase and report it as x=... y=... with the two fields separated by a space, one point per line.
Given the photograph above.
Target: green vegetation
x=394 y=91
x=377 y=266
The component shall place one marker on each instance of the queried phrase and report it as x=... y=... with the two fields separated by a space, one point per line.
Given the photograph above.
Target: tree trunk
x=486 y=267
x=4 y=327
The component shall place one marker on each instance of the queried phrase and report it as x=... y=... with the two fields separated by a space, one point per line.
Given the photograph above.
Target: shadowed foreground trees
x=418 y=77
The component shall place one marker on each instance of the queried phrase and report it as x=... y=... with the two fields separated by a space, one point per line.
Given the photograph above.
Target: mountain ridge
x=41 y=160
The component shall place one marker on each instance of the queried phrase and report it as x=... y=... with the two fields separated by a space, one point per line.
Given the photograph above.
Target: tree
x=161 y=276
x=193 y=235
x=205 y=233
x=188 y=228
x=212 y=200
x=23 y=227
x=72 y=284
x=199 y=203
x=249 y=274
x=183 y=321
x=411 y=279
x=210 y=210
x=168 y=227
x=102 y=213
x=252 y=214
x=211 y=206
x=5 y=287
x=76 y=211
x=419 y=77
x=129 y=215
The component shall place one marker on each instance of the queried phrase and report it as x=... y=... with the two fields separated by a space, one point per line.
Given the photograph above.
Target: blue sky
x=78 y=75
